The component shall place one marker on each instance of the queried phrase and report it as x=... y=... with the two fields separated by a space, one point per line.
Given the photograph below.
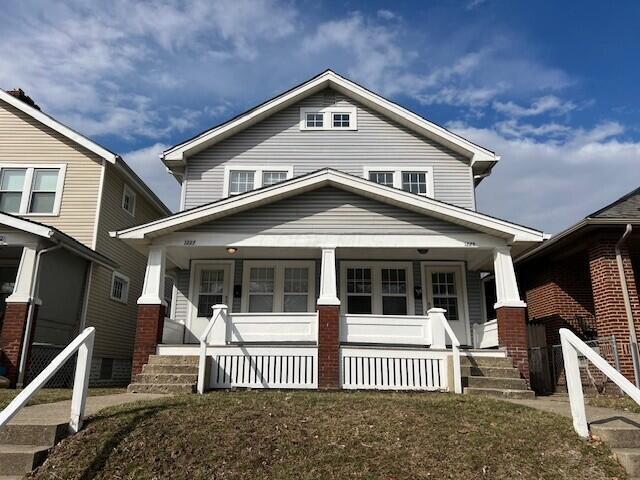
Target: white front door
x=445 y=287
x=210 y=286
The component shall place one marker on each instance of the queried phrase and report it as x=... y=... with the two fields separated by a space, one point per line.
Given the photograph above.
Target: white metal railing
x=437 y=318
x=83 y=344
x=485 y=335
x=219 y=310
x=571 y=347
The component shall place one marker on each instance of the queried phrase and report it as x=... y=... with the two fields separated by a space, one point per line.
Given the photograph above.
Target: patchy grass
x=623 y=403
x=339 y=435
x=49 y=395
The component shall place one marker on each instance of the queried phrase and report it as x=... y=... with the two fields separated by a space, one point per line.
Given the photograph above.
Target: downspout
x=633 y=340
x=29 y=325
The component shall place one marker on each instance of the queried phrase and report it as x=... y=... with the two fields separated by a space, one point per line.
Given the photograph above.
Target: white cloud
x=547 y=104
x=386 y=14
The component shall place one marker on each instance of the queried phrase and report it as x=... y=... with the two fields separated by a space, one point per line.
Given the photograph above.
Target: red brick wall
x=608 y=301
x=328 y=346
x=148 y=335
x=12 y=336
x=512 y=335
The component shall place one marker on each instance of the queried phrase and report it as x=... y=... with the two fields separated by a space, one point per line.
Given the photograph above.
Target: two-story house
x=60 y=195
x=329 y=221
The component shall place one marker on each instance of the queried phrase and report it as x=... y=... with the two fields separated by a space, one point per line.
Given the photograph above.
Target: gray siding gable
x=278 y=140
x=330 y=210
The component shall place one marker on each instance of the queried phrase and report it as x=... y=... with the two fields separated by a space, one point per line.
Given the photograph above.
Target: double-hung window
x=283 y=286
x=119 y=287
x=378 y=288
x=242 y=179
x=129 y=200
x=35 y=190
x=418 y=180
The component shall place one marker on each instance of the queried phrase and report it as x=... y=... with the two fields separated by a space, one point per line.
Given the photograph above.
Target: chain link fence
x=41 y=356
x=546 y=366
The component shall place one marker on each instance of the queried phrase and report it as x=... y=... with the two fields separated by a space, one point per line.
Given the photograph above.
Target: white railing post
x=218 y=310
x=574 y=387
x=440 y=325
x=81 y=384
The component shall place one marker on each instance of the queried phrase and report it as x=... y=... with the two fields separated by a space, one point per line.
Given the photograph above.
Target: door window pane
x=383 y=178
x=261 y=283
x=415 y=182
x=11 y=186
x=211 y=291
x=296 y=289
x=273 y=177
x=241 y=181
x=445 y=294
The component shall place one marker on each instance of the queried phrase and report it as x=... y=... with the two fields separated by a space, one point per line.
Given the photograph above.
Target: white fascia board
x=341 y=84
x=58 y=127
x=26 y=226
x=400 y=198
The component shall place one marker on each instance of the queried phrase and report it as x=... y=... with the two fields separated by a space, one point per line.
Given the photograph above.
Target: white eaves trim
x=329 y=177
x=329 y=78
x=58 y=127
x=26 y=226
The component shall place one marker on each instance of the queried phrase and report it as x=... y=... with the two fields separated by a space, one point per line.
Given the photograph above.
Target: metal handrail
x=218 y=310
x=571 y=346
x=83 y=344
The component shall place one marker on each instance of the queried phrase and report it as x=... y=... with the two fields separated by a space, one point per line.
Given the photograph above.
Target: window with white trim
x=129 y=200
x=328 y=118
x=242 y=179
x=314 y=120
x=410 y=179
x=119 y=287
x=341 y=119
x=31 y=190
x=377 y=288
x=283 y=286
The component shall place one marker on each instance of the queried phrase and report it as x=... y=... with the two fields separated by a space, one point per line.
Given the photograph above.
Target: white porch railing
x=172 y=332
x=267 y=327
x=571 y=347
x=83 y=344
x=386 y=329
x=485 y=335
x=219 y=312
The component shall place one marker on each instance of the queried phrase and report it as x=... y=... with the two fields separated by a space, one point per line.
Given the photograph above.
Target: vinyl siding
x=330 y=210
x=278 y=140
x=474 y=295
x=25 y=140
x=115 y=322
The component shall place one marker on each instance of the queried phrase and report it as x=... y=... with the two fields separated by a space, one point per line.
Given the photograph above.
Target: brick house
x=572 y=280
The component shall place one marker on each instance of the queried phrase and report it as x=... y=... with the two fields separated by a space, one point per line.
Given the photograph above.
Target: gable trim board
x=85 y=142
x=328 y=177
x=175 y=156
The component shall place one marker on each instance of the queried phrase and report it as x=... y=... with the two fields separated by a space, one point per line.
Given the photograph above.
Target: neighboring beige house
x=60 y=195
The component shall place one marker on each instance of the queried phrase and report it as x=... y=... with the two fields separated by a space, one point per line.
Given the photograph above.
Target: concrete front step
x=21 y=459
x=495 y=372
x=500 y=392
x=176 y=388
x=167 y=378
x=629 y=458
x=503 y=362
x=170 y=369
x=617 y=434
x=20 y=434
x=173 y=360
x=493 y=382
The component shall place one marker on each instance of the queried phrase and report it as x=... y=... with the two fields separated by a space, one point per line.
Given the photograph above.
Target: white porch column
x=506 y=286
x=328 y=286
x=153 y=289
x=25 y=276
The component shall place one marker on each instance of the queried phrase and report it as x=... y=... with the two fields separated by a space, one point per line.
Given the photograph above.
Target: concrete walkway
x=58 y=412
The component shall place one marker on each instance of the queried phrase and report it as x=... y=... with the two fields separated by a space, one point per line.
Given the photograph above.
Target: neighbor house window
x=341 y=120
x=106 y=368
x=129 y=200
x=283 y=286
x=31 y=189
x=119 y=287
x=410 y=179
x=315 y=120
x=244 y=179
x=328 y=118
x=379 y=288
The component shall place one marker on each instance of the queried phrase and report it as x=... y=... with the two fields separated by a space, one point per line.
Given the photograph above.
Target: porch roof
x=510 y=232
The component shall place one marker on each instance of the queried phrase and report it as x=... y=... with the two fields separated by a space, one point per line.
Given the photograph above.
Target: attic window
x=341 y=120
x=129 y=200
x=315 y=120
x=328 y=118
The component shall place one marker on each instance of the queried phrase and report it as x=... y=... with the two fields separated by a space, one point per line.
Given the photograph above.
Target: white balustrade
x=436 y=315
x=269 y=327
x=219 y=316
x=485 y=335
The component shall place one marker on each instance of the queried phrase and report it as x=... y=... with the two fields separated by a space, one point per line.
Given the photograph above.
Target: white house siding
x=378 y=141
x=24 y=140
x=330 y=210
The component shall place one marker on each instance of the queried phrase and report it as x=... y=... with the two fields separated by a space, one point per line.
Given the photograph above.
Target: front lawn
x=616 y=402
x=49 y=395
x=309 y=435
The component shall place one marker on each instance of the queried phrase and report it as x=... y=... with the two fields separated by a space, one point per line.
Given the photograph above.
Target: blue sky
x=551 y=86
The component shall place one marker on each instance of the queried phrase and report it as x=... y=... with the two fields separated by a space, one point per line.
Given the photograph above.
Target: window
x=129 y=200
x=445 y=294
x=32 y=190
x=283 y=286
x=379 y=288
x=328 y=118
x=211 y=291
x=409 y=179
x=119 y=287
x=315 y=120
x=106 y=368
x=242 y=179
x=341 y=120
